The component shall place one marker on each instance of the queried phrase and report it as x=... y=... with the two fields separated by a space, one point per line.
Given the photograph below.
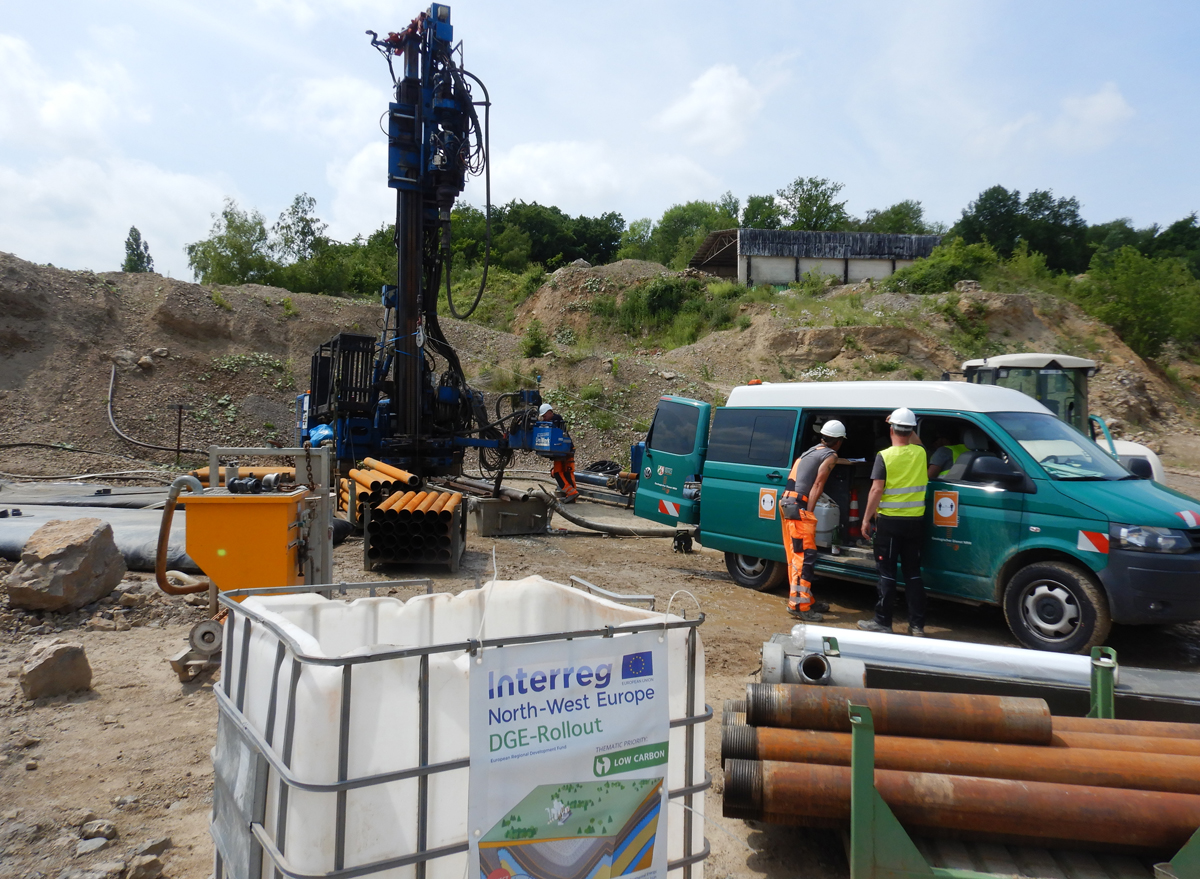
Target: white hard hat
x=833 y=429
x=902 y=417
x=544 y=408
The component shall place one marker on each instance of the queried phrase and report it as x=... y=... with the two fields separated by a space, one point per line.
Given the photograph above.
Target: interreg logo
x=567 y=677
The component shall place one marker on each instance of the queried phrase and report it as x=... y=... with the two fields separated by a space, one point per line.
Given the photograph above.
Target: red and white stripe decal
x=1092 y=541
x=668 y=508
x=1191 y=517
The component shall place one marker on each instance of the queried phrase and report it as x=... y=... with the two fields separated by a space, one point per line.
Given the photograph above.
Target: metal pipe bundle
x=413 y=526
x=997 y=767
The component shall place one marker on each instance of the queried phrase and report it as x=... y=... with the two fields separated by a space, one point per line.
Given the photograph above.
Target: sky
x=150 y=114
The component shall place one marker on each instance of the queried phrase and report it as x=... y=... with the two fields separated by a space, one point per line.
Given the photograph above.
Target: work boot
x=917 y=631
x=570 y=499
x=872 y=626
x=809 y=616
x=820 y=606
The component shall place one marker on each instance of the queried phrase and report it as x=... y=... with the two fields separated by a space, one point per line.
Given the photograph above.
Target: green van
x=1032 y=516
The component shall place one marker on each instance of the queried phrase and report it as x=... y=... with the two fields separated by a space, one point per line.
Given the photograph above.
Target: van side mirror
x=989 y=469
x=1138 y=466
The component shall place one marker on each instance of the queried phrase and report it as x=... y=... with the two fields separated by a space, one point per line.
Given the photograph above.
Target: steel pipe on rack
x=1016 y=811
x=902 y=712
x=1159 y=728
x=1128 y=744
x=1137 y=771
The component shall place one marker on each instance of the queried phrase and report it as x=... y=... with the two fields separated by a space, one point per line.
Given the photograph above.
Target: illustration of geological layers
x=590 y=830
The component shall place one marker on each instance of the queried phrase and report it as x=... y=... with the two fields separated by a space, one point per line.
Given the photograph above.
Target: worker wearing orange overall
x=563 y=466
x=805 y=483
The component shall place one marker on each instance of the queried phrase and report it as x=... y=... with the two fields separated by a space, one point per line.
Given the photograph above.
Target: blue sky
x=150 y=113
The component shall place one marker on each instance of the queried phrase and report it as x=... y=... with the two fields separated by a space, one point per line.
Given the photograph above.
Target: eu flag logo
x=637 y=665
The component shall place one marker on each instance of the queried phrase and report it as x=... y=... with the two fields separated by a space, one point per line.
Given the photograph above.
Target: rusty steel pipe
x=1127 y=727
x=1018 y=811
x=1136 y=771
x=902 y=713
x=1135 y=744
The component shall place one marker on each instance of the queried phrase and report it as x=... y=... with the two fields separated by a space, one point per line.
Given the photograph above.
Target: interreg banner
x=569 y=759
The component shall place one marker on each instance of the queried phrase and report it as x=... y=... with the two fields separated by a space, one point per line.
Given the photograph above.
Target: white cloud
x=336 y=109
x=76 y=212
x=716 y=111
x=1090 y=122
x=42 y=112
x=362 y=199
x=593 y=177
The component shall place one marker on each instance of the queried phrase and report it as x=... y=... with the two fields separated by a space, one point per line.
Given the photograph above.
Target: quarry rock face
x=55 y=667
x=65 y=565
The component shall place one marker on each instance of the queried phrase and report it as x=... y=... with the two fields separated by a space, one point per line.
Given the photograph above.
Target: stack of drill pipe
x=402 y=477
x=413 y=526
x=994 y=767
x=486 y=489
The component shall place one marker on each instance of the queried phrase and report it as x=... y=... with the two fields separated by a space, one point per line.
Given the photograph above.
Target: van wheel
x=1053 y=606
x=752 y=572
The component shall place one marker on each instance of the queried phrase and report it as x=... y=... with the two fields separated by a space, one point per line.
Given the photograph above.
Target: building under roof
x=779 y=256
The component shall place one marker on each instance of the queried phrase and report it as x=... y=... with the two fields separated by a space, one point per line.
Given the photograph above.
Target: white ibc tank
x=381 y=820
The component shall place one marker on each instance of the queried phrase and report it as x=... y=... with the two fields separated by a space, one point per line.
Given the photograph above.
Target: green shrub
x=219 y=300
x=884 y=364
x=535 y=342
x=744 y=322
x=592 y=391
x=950 y=263
x=289 y=308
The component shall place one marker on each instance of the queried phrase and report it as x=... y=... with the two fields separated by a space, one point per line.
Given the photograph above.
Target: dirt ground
x=135 y=750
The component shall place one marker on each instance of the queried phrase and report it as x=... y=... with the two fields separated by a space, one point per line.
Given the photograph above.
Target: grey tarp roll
x=135 y=532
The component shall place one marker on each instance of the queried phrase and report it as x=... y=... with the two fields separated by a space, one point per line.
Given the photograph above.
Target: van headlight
x=1145 y=538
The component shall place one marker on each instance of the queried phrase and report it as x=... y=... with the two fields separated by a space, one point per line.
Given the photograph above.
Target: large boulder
x=65 y=565
x=55 y=667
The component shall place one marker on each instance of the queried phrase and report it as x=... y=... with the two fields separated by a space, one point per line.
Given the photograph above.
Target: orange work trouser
x=800 y=544
x=563 y=471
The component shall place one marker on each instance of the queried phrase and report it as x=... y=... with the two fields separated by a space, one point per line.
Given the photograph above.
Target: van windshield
x=1061 y=450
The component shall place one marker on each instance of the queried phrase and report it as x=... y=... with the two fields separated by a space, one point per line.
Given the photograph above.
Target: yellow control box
x=246 y=541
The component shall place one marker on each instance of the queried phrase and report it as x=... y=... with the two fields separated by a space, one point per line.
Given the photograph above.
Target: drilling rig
x=402 y=397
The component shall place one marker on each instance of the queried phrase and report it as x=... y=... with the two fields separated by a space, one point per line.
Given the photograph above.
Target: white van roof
x=960 y=396
x=1033 y=361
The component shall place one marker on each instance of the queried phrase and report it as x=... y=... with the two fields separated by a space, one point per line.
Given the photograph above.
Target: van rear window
x=674 y=428
x=752 y=436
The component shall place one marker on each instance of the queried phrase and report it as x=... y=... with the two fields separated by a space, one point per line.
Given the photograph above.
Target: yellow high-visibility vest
x=907 y=477
x=955 y=450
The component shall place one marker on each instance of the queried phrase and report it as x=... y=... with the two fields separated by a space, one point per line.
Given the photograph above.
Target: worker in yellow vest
x=895 y=515
x=945 y=453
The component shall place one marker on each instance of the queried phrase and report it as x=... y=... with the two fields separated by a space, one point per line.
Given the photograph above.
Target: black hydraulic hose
x=603 y=527
x=487 y=183
x=112 y=381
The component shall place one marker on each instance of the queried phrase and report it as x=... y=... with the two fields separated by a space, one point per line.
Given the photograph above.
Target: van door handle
x=774 y=474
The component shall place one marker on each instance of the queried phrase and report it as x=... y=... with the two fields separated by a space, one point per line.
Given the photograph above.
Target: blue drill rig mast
x=403 y=397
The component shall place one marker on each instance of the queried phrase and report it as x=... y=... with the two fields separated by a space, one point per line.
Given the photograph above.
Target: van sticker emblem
x=660 y=469
x=945 y=509
x=1092 y=541
x=1191 y=517
x=766 y=503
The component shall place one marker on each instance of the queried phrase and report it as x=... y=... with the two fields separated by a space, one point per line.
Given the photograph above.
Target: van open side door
x=674 y=456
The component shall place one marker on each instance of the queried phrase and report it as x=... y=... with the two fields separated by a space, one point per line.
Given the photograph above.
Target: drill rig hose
x=603 y=527
x=164 y=537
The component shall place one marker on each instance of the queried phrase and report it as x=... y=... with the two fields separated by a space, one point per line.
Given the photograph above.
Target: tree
x=1048 y=225
x=1147 y=301
x=635 y=241
x=903 y=218
x=683 y=227
x=1180 y=239
x=298 y=230
x=809 y=203
x=762 y=212
x=237 y=251
x=137 y=253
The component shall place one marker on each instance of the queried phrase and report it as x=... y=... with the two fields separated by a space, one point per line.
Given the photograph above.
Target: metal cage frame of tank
x=243 y=808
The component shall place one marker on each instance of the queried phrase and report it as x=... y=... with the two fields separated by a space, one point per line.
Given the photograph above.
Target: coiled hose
x=164 y=538
x=603 y=527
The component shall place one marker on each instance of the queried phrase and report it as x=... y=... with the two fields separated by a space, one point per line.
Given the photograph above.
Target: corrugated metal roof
x=834 y=245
